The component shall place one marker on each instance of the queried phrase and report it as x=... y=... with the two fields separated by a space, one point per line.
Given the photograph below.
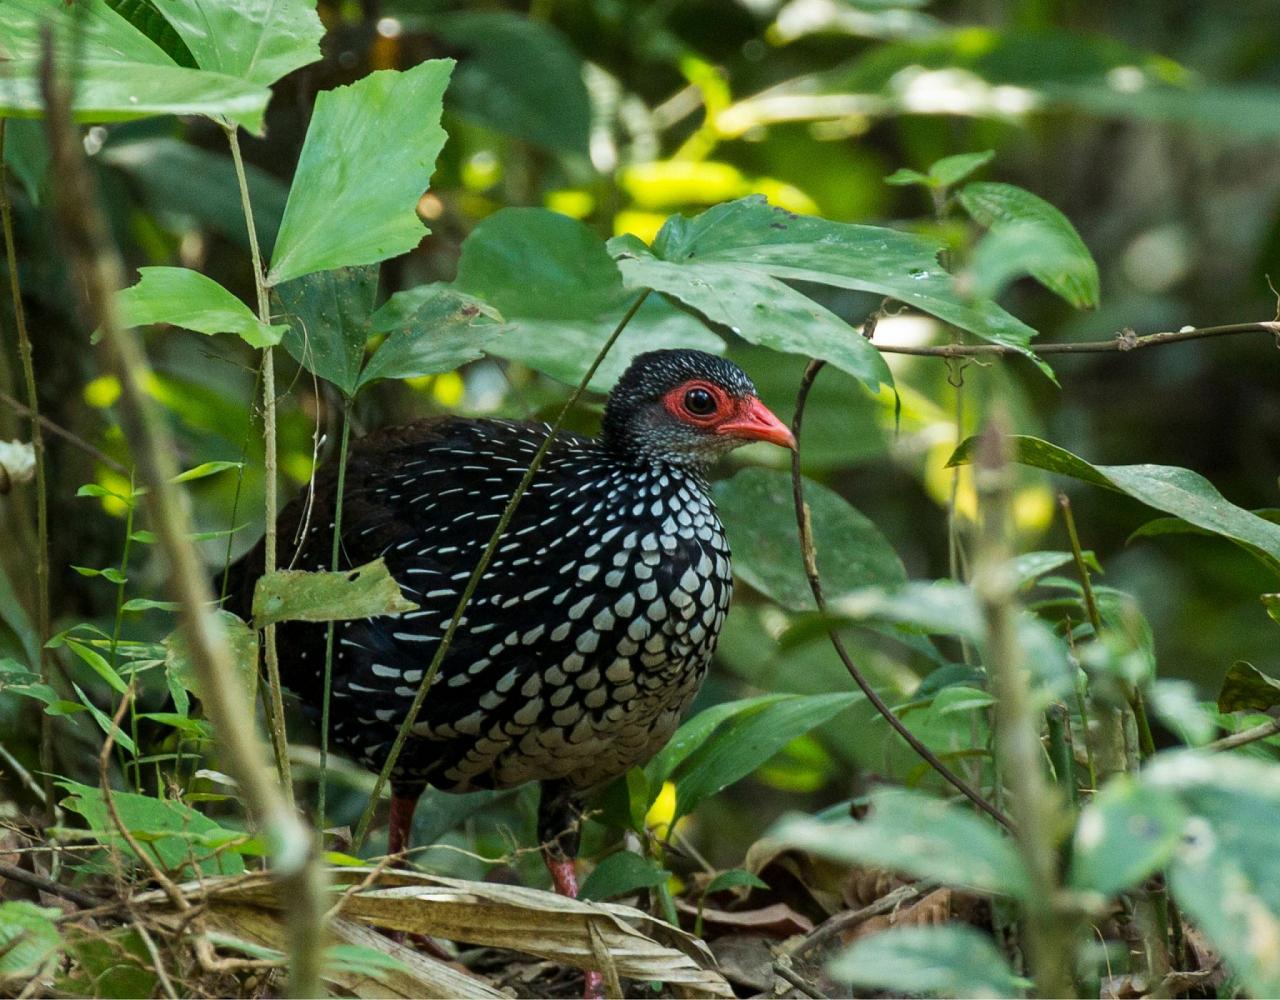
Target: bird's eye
x=699 y=402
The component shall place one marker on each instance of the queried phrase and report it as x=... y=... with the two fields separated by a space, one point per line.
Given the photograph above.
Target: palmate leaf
x=367 y=159
x=1176 y=491
x=760 y=239
x=119 y=72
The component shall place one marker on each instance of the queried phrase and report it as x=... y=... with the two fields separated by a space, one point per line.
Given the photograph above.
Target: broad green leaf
x=28 y=938
x=1010 y=251
x=1180 y=492
x=759 y=308
x=1064 y=265
x=937 y=607
x=367 y=159
x=748 y=740
x=759 y=516
x=1126 y=833
x=188 y=299
x=920 y=836
x=1177 y=526
x=554 y=283
x=694 y=733
x=953 y=960
x=109 y=964
x=1030 y=566
x=732 y=879
x=1225 y=874
x=173 y=831
x=254 y=40
x=26 y=153
x=1246 y=688
x=298 y=595
x=119 y=72
x=756 y=236
x=621 y=873
x=429 y=329
x=329 y=316
x=519 y=76
x=244 y=652
x=1177 y=704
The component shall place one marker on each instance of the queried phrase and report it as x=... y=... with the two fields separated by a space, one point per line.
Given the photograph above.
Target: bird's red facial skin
x=736 y=416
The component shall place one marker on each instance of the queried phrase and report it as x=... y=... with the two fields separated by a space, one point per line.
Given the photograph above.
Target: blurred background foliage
x=1153 y=125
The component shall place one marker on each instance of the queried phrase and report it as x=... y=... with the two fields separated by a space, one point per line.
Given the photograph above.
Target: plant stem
x=118 y=621
x=809 y=553
x=1134 y=695
x=271 y=503
x=473 y=582
x=1060 y=750
x=1036 y=809
x=96 y=268
x=43 y=616
x=329 y=633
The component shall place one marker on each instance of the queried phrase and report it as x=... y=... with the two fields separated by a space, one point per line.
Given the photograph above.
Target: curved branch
x=1123 y=342
x=810 y=555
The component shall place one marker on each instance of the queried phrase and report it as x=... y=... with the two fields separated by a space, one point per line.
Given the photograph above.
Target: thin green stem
x=43 y=616
x=118 y=621
x=271 y=502
x=329 y=633
x=473 y=582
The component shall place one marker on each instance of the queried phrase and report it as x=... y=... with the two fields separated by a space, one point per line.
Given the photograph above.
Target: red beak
x=755 y=422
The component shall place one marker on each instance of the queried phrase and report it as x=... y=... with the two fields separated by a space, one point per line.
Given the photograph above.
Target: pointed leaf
x=622 y=873
x=954 y=960
x=329 y=316
x=1246 y=688
x=192 y=301
x=366 y=161
x=1065 y=267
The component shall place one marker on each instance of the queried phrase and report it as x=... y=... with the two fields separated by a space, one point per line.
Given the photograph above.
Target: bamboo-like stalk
x=96 y=266
x=271 y=503
x=1037 y=810
x=43 y=617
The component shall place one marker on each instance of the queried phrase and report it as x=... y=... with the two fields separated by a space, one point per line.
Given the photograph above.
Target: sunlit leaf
x=186 y=298
x=367 y=159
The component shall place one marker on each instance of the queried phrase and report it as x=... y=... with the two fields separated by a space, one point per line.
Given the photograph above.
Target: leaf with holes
x=297 y=595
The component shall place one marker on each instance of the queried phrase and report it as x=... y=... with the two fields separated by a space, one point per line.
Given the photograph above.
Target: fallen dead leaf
x=778 y=920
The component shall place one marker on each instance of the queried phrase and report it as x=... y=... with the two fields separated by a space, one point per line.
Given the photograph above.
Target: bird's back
x=586 y=638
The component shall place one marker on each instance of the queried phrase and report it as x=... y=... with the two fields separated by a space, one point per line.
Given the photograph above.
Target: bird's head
x=686 y=408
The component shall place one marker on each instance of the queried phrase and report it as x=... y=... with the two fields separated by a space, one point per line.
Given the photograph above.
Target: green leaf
x=1126 y=833
x=112 y=965
x=754 y=235
x=920 y=836
x=146 y=17
x=732 y=879
x=756 y=306
x=429 y=329
x=1177 y=526
x=119 y=72
x=329 y=317
x=252 y=40
x=1063 y=264
x=904 y=176
x=206 y=469
x=953 y=169
x=1177 y=704
x=366 y=161
x=1225 y=874
x=192 y=301
x=26 y=153
x=622 y=873
x=297 y=595
x=759 y=516
x=174 y=830
x=110 y=573
x=98 y=664
x=1013 y=250
x=694 y=733
x=519 y=76
x=553 y=281
x=1272 y=603
x=147 y=604
x=104 y=721
x=28 y=938
x=748 y=740
x=1246 y=688
x=1180 y=492
x=244 y=651
x=953 y=960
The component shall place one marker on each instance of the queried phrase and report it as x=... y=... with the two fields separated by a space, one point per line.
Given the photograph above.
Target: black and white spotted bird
x=593 y=626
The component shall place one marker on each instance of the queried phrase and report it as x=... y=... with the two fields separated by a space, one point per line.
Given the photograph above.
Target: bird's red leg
x=400 y=822
x=558 y=832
